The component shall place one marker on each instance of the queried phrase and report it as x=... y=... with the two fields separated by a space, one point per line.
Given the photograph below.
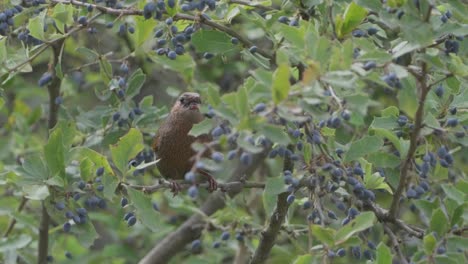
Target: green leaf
x=183 y=65
x=383 y=160
x=88 y=53
x=3 y=51
x=303 y=259
x=201 y=128
x=12 y=243
x=144 y=209
x=454 y=194
x=375 y=181
x=273 y=187
x=144 y=30
x=281 y=83
x=360 y=223
x=36 y=192
x=324 y=234
x=34 y=169
x=390 y=136
x=55 y=153
x=36 y=26
x=86 y=233
x=439 y=222
x=212 y=41
x=242 y=102
x=353 y=16
x=135 y=83
x=275 y=134
x=429 y=243
x=126 y=148
x=384 y=255
x=362 y=147
x=388 y=123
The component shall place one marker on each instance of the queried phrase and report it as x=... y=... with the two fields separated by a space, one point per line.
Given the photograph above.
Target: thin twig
x=245 y=3
x=395 y=244
x=418 y=123
x=166 y=185
x=13 y=220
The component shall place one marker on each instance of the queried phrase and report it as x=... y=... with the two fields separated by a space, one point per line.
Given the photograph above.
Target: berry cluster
x=293 y=22
x=6 y=19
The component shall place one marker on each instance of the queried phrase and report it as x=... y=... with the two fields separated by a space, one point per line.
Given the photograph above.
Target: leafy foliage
x=352 y=116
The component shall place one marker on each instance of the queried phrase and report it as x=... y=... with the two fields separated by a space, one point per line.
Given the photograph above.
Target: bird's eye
x=182 y=100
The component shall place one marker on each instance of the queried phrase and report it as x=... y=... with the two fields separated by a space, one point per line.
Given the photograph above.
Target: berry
x=332 y=215
x=369 y=65
x=439 y=91
x=196 y=245
x=260 y=107
x=45 y=79
x=155 y=206
x=400 y=14
x=208 y=55
x=189 y=176
x=411 y=193
x=59 y=206
x=159 y=33
x=283 y=19
x=76 y=196
x=66 y=227
x=169 y=21
x=193 y=191
x=68 y=255
x=172 y=55
x=294 y=23
x=225 y=235
x=81 y=211
x=131 y=221
x=109 y=24
x=216 y=244
x=128 y=215
x=253 y=49
x=234 y=41
x=239 y=237
x=123 y=201
x=122 y=29
x=452 y=122
x=341 y=252
x=58 y=100
x=82 y=20
x=371 y=245
x=352 y=212
x=358 y=33
x=290 y=199
x=372 y=31
x=100 y=171
x=89 y=8
x=171 y=3
x=443 y=18
x=307 y=204
x=441 y=250
x=356 y=251
x=217 y=131
x=116 y=116
x=448 y=14
x=402 y=120
x=81 y=185
x=217 y=157
x=68 y=214
x=121 y=93
x=246 y=158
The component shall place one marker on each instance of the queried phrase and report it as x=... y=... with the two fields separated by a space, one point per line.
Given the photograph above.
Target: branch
x=268 y=237
x=245 y=41
x=418 y=123
x=54 y=92
x=225 y=187
x=245 y=3
x=193 y=227
x=178 y=16
x=13 y=221
x=395 y=244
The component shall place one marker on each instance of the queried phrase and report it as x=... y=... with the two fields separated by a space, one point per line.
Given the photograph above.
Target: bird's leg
x=212 y=183
x=175 y=188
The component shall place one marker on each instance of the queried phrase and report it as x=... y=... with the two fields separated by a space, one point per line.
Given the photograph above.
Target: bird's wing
x=154 y=146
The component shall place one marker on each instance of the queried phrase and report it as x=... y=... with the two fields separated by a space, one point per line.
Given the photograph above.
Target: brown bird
x=172 y=144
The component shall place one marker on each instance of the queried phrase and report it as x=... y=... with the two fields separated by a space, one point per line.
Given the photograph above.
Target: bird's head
x=188 y=105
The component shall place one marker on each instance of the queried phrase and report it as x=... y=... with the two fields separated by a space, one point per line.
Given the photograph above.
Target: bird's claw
x=175 y=188
x=212 y=184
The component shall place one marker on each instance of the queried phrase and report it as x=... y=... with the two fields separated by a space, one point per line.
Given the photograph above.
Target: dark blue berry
x=225 y=235
x=290 y=199
x=66 y=227
x=253 y=49
x=234 y=41
x=59 y=206
x=193 y=191
x=83 y=20
x=45 y=79
x=131 y=221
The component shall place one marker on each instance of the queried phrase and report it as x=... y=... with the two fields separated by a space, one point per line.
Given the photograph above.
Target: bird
x=173 y=145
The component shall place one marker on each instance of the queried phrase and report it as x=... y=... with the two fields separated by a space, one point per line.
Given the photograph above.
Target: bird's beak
x=193 y=106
